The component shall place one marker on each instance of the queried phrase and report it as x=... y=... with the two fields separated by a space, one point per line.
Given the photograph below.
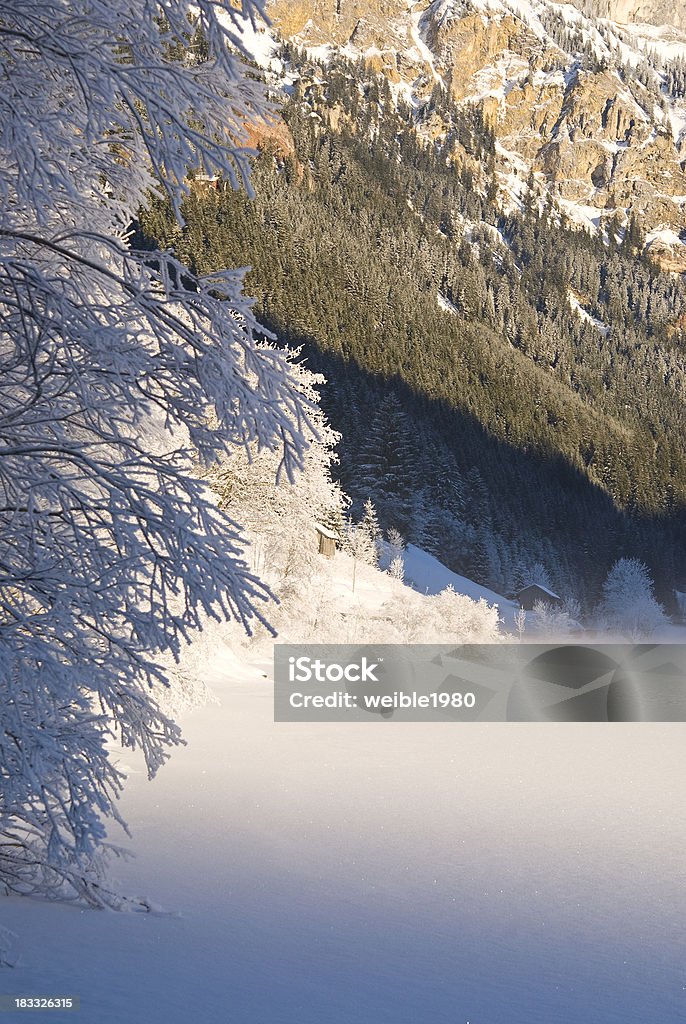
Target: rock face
x=563 y=105
x=650 y=12
x=343 y=22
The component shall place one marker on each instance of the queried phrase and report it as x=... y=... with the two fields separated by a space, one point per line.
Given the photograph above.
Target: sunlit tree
x=118 y=371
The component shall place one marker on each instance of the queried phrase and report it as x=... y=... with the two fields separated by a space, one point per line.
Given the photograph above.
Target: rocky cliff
x=650 y=12
x=591 y=111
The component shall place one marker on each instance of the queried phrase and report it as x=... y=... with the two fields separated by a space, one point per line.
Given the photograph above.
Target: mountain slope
x=593 y=111
x=501 y=381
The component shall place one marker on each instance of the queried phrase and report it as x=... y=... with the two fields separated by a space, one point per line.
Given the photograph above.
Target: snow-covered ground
x=586 y=316
x=446 y=305
x=423 y=51
x=383 y=873
x=429 y=576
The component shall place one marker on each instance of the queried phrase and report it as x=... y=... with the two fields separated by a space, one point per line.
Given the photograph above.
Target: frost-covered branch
x=118 y=369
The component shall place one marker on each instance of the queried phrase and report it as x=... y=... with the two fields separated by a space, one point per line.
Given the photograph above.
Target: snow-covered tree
x=552 y=621
x=396 y=568
x=394 y=554
x=280 y=515
x=395 y=543
x=447 y=617
x=358 y=543
x=369 y=524
x=520 y=622
x=628 y=603
x=537 y=575
x=117 y=371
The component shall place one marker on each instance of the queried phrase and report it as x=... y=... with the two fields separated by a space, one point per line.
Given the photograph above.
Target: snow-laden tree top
x=116 y=369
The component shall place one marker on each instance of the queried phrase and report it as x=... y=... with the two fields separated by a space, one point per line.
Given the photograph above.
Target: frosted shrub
x=459 y=619
x=628 y=604
x=552 y=621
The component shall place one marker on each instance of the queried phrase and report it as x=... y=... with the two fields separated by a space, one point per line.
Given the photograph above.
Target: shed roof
x=325 y=532
x=539 y=586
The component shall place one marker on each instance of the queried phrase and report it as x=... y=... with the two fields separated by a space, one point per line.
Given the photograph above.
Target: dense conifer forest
x=509 y=389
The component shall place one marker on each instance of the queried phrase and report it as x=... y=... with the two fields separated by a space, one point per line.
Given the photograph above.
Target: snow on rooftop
x=539 y=586
x=326 y=532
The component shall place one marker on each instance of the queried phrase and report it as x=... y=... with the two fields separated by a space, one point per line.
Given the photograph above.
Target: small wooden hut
x=535 y=592
x=327 y=540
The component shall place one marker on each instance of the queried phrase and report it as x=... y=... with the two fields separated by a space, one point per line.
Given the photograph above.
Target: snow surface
x=677 y=122
x=429 y=576
x=256 y=39
x=382 y=873
x=666 y=235
x=446 y=305
x=586 y=216
x=585 y=315
x=667 y=43
x=423 y=51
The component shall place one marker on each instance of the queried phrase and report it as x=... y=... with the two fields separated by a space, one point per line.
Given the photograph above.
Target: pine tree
x=386 y=463
x=369 y=524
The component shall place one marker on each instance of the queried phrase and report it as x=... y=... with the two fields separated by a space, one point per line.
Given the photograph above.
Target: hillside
x=501 y=379
x=593 y=109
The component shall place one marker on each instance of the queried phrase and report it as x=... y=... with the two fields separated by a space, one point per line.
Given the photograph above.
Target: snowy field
x=491 y=874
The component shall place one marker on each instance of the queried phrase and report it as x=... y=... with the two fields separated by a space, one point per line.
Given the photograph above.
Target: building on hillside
x=531 y=595
x=203 y=183
x=327 y=540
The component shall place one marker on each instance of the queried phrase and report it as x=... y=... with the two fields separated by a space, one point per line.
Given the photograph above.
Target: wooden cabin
x=328 y=540
x=535 y=592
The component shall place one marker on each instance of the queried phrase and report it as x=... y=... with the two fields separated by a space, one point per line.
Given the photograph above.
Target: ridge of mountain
x=585 y=110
